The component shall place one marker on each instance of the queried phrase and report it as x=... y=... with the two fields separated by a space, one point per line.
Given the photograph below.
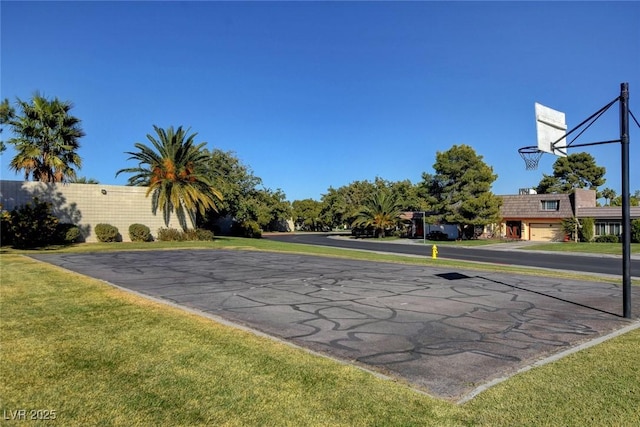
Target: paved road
x=584 y=263
x=447 y=331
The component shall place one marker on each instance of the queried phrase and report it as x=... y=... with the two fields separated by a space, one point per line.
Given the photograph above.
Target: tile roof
x=530 y=206
x=607 y=212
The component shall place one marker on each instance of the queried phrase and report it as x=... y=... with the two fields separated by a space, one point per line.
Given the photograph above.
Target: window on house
x=550 y=205
x=606 y=228
x=615 y=229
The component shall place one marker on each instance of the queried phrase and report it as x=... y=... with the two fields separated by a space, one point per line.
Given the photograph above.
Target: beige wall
x=89 y=204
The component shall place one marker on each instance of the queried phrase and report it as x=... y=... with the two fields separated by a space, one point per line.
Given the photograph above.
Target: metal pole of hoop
x=626 y=202
x=532 y=154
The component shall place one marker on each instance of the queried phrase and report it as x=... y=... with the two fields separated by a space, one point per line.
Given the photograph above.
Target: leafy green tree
x=407 y=194
x=265 y=207
x=356 y=195
x=45 y=139
x=174 y=168
x=341 y=205
x=577 y=170
x=634 y=200
x=251 y=208
x=235 y=181
x=380 y=211
x=6 y=114
x=280 y=207
x=460 y=190
x=307 y=214
x=334 y=208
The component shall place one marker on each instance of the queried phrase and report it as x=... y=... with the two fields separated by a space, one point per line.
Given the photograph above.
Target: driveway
x=445 y=331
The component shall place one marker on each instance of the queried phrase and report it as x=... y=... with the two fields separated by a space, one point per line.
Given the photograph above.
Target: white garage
x=546 y=232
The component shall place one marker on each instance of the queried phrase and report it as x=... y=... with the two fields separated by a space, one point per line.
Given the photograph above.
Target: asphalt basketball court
x=449 y=332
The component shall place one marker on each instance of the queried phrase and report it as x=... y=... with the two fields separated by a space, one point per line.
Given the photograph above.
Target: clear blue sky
x=318 y=94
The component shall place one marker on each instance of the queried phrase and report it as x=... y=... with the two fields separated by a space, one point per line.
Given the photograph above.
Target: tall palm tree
x=380 y=211
x=174 y=169
x=46 y=140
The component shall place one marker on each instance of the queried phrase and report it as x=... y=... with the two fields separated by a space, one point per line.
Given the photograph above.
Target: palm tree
x=46 y=140
x=608 y=195
x=380 y=211
x=174 y=169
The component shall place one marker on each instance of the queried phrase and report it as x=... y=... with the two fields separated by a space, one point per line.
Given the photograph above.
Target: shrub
x=587 y=230
x=5 y=228
x=107 y=233
x=401 y=232
x=190 y=235
x=67 y=233
x=204 y=234
x=32 y=225
x=635 y=230
x=173 y=235
x=246 y=229
x=252 y=229
x=139 y=233
x=607 y=238
x=170 y=235
x=569 y=226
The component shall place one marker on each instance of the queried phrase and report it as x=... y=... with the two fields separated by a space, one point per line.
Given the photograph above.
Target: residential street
x=508 y=254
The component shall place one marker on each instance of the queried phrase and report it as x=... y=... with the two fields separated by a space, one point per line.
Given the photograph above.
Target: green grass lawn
x=100 y=356
x=594 y=248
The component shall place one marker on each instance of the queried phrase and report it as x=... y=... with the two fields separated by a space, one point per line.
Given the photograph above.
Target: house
x=534 y=216
x=418 y=228
x=538 y=217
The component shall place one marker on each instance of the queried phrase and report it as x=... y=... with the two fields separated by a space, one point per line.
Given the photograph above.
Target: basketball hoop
x=531 y=156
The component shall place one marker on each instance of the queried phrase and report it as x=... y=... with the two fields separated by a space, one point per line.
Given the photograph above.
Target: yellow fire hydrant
x=434 y=252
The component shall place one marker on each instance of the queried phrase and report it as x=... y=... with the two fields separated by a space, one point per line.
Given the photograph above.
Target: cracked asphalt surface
x=446 y=331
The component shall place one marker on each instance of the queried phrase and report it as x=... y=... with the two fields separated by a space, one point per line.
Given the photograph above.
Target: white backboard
x=551 y=127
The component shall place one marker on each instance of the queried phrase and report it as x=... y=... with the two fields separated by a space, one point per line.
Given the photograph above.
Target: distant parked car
x=437 y=235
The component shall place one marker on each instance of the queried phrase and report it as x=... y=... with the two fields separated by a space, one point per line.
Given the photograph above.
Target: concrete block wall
x=86 y=205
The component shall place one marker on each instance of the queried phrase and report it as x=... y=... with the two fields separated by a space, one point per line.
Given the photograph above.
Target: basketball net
x=531 y=156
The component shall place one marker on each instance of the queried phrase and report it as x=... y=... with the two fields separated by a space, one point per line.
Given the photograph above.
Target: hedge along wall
x=86 y=205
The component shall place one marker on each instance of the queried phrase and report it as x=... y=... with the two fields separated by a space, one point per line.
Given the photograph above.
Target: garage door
x=546 y=232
